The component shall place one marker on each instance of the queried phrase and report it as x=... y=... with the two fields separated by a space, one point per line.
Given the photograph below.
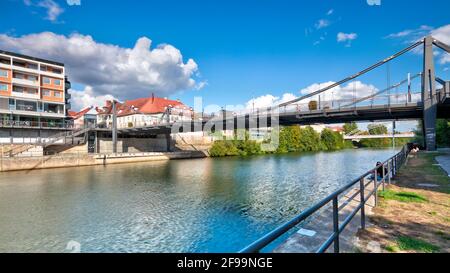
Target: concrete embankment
x=79 y=160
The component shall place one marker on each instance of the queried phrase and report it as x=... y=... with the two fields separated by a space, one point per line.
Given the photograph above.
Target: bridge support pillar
x=168 y=142
x=429 y=97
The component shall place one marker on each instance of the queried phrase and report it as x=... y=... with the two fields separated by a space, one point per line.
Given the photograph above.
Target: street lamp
x=114 y=126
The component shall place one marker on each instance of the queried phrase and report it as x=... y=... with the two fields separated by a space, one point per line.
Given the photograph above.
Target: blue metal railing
x=388 y=168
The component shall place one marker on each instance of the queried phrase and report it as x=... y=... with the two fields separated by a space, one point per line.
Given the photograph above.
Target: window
x=12 y=104
x=32 y=66
x=53 y=108
x=46 y=80
x=18 y=89
x=26 y=105
x=3 y=73
x=57 y=71
x=57 y=94
x=31 y=91
x=3 y=87
x=18 y=76
x=57 y=82
x=32 y=78
x=46 y=92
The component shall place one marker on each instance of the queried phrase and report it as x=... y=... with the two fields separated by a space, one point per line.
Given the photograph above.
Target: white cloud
x=87 y=97
x=268 y=100
x=322 y=23
x=443 y=34
x=356 y=89
x=74 y=2
x=110 y=69
x=412 y=35
x=345 y=94
x=445 y=58
x=54 y=10
x=331 y=11
x=344 y=37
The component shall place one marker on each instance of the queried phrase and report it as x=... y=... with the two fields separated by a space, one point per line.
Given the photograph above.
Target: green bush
x=223 y=148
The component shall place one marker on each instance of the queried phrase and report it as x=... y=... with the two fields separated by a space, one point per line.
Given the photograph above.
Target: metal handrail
x=394 y=163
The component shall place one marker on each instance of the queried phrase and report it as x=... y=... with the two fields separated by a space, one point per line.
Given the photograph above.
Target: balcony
x=3 y=65
x=51 y=74
x=25 y=69
x=25 y=95
x=25 y=82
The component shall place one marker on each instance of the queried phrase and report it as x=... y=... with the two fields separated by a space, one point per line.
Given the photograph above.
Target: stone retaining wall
x=78 y=160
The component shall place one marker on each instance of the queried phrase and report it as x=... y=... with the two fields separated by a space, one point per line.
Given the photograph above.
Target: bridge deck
x=406 y=111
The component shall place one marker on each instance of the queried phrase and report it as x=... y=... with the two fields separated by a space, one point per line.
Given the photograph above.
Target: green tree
x=443 y=132
x=377 y=129
x=291 y=139
x=309 y=139
x=419 y=134
x=350 y=127
x=331 y=140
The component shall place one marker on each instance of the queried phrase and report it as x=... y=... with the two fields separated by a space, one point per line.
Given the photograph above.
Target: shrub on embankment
x=383 y=142
x=291 y=139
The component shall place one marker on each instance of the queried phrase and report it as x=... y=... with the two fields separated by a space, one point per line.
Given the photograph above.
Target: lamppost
x=114 y=126
x=393 y=134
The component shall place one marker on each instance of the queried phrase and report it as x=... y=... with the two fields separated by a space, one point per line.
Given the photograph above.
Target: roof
x=335 y=128
x=151 y=105
x=76 y=115
x=30 y=58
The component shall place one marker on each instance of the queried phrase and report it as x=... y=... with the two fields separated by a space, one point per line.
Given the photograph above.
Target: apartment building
x=33 y=92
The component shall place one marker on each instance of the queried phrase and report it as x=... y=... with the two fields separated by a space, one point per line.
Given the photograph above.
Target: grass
x=408 y=243
x=407 y=197
x=427 y=170
x=391 y=248
x=443 y=235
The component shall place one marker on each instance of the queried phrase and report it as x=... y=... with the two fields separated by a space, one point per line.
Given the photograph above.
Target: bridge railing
x=370 y=181
x=392 y=100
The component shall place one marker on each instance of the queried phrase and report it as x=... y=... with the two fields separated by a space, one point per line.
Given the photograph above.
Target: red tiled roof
x=336 y=128
x=76 y=115
x=142 y=106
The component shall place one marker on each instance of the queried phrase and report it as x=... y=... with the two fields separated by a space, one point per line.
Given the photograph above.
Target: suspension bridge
x=432 y=101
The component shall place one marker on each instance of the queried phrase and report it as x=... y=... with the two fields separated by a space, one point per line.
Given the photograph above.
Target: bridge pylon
x=429 y=98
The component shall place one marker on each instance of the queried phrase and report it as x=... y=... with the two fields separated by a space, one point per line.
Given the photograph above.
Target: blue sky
x=242 y=49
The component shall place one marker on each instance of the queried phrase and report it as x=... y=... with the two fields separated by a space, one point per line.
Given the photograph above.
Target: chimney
x=153 y=97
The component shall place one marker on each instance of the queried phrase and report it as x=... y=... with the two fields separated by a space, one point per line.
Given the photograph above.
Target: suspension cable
x=382 y=91
x=362 y=72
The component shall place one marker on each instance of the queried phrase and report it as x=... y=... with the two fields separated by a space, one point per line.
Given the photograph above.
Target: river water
x=202 y=205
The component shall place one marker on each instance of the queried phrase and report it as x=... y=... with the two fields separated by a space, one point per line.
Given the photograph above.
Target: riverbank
x=413 y=215
x=8 y=164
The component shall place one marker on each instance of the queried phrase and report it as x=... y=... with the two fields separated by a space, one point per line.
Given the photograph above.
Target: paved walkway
x=444 y=161
x=316 y=231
